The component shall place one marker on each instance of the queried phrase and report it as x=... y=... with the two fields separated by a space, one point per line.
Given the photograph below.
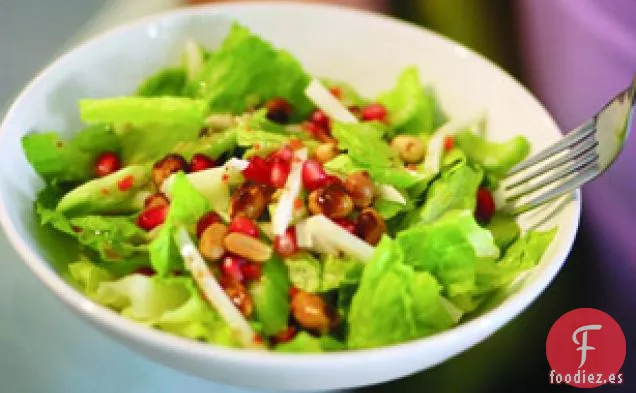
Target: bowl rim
x=479 y=328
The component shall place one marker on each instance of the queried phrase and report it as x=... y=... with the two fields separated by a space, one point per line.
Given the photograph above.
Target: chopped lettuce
x=394 y=303
x=361 y=138
x=143 y=110
x=497 y=158
x=337 y=271
x=145 y=143
x=305 y=272
x=166 y=82
x=411 y=109
x=304 y=342
x=504 y=229
x=448 y=249
x=171 y=304
x=213 y=145
x=186 y=206
x=59 y=161
x=271 y=297
x=246 y=71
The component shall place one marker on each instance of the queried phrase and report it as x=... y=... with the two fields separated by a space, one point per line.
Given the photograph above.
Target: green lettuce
x=145 y=143
x=337 y=271
x=305 y=272
x=171 y=304
x=496 y=158
x=359 y=139
x=186 y=206
x=246 y=71
x=394 y=303
x=448 y=248
x=143 y=110
x=504 y=229
x=213 y=145
x=166 y=82
x=304 y=342
x=56 y=160
x=271 y=297
x=411 y=109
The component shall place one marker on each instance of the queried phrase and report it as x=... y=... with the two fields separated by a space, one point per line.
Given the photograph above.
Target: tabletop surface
x=46 y=348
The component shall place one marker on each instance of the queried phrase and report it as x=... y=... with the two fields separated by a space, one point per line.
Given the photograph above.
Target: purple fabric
x=577 y=55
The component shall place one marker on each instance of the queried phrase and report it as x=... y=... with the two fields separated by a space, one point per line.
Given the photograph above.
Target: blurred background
x=573 y=54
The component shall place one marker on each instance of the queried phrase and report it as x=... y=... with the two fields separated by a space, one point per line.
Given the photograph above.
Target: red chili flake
x=298 y=203
x=104 y=191
x=336 y=91
x=258 y=339
x=296 y=144
x=412 y=167
x=449 y=143
x=125 y=183
x=257 y=146
x=225 y=178
x=293 y=291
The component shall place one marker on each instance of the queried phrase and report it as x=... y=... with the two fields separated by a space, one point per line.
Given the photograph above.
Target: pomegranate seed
x=374 y=112
x=244 y=225
x=331 y=179
x=286 y=243
x=126 y=183
x=205 y=221
x=347 y=224
x=285 y=335
x=320 y=119
x=251 y=271
x=258 y=170
x=257 y=339
x=200 y=162
x=145 y=271
x=296 y=144
x=107 y=163
x=485 y=208
x=293 y=291
x=313 y=175
x=449 y=143
x=279 y=110
x=285 y=154
x=231 y=267
x=280 y=171
x=336 y=91
x=152 y=217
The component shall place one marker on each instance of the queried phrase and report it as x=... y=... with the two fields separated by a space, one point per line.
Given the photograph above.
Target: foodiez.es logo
x=586 y=348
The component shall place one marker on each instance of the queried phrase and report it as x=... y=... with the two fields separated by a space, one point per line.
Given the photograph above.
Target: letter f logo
x=584 y=347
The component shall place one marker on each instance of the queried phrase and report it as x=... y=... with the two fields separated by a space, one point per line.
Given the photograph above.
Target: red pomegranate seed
x=485 y=208
x=244 y=225
x=331 y=179
x=285 y=335
x=145 y=271
x=152 y=217
x=296 y=144
x=258 y=170
x=200 y=162
x=251 y=271
x=286 y=243
x=279 y=110
x=231 y=267
x=320 y=119
x=449 y=143
x=125 y=183
x=280 y=172
x=107 y=163
x=206 y=220
x=285 y=153
x=374 y=111
x=347 y=224
x=257 y=339
x=336 y=91
x=293 y=291
x=313 y=175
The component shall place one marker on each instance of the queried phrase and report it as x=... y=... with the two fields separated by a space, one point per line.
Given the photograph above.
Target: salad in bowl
x=240 y=201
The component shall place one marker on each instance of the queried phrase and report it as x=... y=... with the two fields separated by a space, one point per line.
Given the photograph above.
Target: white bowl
x=364 y=49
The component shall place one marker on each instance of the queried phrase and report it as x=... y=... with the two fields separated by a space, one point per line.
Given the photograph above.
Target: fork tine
x=580 y=149
x=570 y=185
x=580 y=164
x=569 y=140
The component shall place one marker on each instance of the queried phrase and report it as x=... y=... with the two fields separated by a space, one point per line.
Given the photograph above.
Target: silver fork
x=582 y=155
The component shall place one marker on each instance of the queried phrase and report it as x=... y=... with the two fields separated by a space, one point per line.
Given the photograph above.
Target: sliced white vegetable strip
x=303 y=235
x=323 y=246
x=285 y=208
x=455 y=313
x=212 y=291
x=337 y=237
x=237 y=164
x=391 y=194
x=220 y=121
x=323 y=99
x=435 y=147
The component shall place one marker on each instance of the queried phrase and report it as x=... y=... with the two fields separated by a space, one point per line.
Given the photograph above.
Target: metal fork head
x=582 y=155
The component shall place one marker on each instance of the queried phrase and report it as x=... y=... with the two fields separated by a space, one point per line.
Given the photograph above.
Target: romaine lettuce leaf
x=411 y=109
x=213 y=145
x=143 y=110
x=187 y=205
x=271 y=297
x=304 y=342
x=394 y=303
x=305 y=272
x=166 y=82
x=448 y=248
x=364 y=144
x=339 y=270
x=504 y=229
x=246 y=71
x=146 y=143
x=59 y=161
x=496 y=158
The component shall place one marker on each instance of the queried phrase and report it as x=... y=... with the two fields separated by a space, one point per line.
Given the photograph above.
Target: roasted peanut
x=326 y=152
x=167 y=166
x=312 y=313
x=211 y=242
x=331 y=200
x=361 y=188
x=155 y=200
x=247 y=247
x=250 y=200
x=370 y=226
x=239 y=296
x=410 y=148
